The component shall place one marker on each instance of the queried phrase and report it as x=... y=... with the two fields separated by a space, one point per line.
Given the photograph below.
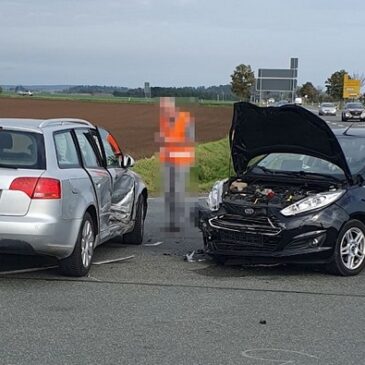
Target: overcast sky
x=175 y=42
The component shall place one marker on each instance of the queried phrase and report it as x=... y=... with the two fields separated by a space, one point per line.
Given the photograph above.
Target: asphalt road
x=156 y=308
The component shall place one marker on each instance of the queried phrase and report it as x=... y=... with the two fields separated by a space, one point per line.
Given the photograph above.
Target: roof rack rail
x=62 y=121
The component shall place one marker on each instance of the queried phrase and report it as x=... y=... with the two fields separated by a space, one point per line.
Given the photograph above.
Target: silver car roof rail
x=62 y=121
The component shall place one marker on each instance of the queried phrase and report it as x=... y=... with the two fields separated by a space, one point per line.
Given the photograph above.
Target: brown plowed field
x=134 y=125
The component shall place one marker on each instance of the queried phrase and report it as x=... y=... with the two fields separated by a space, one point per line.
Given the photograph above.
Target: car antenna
x=345 y=132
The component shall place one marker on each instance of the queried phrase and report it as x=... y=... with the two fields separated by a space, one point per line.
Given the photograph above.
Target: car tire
x=79 y=262
x=135 y=237
x=349 y=254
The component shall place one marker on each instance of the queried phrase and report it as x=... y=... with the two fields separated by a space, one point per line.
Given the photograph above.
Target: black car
x=353 y=111
x=298 y=194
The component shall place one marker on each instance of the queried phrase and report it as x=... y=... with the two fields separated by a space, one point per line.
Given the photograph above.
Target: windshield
x=354 y=149
x=352 y=146
x=292 y=162
x=328 y=105
x=354 y=105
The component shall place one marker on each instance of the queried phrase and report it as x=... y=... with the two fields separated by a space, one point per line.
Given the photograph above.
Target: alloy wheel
x=352 y=248
x=87 y=243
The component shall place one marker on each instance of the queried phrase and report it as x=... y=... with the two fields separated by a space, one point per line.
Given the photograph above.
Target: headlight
x=348 y=115
x=214 y=199
x=363 y=115
x=312 y=202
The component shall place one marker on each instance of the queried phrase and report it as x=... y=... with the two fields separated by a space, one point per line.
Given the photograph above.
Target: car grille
x=250 y=234
x=357 y=112
x=240 y=241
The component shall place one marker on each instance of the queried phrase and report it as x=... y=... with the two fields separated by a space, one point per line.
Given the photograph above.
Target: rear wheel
x=135 y=237
x=78 y=264
x=349 y=254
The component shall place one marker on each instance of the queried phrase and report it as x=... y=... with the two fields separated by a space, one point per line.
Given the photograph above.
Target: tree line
x=243 y=81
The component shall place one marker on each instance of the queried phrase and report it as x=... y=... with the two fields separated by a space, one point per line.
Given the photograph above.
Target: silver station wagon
x=65 y=188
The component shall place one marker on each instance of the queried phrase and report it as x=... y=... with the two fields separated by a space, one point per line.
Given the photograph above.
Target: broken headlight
x=312 y=202
x=214 y=199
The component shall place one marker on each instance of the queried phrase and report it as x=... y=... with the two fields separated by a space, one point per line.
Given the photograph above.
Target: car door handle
x=98 y=185
x=75 y=191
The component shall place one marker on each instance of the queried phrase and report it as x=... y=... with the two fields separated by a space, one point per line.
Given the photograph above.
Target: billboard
x=351 y=87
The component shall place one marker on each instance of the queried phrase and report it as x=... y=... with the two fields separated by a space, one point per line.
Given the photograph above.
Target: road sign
x=278 y=80
x=351 y=87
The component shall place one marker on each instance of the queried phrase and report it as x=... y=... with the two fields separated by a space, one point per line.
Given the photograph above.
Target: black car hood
x=292 y=129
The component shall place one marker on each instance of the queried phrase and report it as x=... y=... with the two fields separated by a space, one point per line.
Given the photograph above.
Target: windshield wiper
x=263 y=168
x=314 y=174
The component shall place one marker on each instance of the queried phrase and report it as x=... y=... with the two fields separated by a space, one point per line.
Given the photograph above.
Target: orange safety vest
x=176 y=149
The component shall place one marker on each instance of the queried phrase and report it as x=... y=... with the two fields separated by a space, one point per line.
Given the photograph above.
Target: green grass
x=212 y=164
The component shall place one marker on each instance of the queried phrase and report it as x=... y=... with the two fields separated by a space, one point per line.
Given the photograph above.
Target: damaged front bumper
x=267 y=236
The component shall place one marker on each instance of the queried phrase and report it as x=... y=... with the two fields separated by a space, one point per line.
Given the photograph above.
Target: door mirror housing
x=127 y=161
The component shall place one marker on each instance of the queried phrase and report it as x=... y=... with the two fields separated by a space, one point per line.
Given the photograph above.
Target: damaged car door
x=123 y=190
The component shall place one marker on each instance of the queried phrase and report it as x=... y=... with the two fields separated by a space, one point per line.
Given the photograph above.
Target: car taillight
x=38 y=188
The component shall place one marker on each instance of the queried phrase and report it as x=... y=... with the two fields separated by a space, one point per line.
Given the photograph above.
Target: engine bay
x=278 y=194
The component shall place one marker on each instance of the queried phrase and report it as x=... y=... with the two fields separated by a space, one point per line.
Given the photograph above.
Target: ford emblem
x=249 y=211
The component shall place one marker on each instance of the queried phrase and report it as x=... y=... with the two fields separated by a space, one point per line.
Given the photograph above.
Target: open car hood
x=292 y=129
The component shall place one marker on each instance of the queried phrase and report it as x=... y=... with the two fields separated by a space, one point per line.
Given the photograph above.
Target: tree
x=334 y=84
x=309 y=92
x=243 y=79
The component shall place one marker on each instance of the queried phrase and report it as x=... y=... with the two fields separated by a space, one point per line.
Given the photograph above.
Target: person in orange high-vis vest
x=177 y=154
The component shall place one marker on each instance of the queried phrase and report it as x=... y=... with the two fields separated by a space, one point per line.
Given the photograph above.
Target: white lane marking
x=23 y=271
x=272 y=355
x=113 y=260
x=153 y=244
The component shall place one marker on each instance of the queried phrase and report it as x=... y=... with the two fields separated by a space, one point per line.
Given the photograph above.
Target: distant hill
x=38 y=88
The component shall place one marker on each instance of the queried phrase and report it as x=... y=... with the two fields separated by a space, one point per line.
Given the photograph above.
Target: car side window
x=88 y=153
x=66 y=152
x=112 y=150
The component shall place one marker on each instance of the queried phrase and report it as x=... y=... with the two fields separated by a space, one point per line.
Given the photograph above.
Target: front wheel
x=349 y=255
x=78 y=264
x=135 y=237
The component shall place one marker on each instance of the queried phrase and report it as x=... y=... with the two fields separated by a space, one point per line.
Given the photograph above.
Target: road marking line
x=113 y=260
x=153 y=244
x=23 y=271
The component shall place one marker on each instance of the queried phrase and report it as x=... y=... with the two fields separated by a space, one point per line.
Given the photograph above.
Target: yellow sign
x=351 y=88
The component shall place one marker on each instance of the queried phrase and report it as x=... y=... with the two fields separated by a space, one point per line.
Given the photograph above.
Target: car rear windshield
x=22 y=149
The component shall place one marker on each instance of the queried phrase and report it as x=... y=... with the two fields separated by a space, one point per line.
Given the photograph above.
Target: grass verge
x=212 y=164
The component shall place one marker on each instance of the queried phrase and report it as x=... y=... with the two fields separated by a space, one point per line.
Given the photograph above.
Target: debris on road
x=114 y=260
x=262 y=321
x=189 y=257
x=153 y=244
x=195 y=256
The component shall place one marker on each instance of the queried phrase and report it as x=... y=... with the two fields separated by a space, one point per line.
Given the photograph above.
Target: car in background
x=327 y=109
x=293 y=198
x=281 y=103
x=353 y=111
x=65 y=188
x=298 y=101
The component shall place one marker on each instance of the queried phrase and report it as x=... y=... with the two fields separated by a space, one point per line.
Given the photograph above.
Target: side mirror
x=128 y=161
